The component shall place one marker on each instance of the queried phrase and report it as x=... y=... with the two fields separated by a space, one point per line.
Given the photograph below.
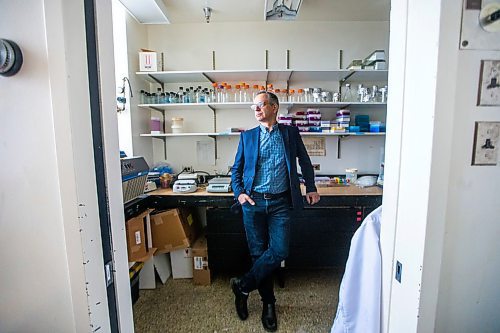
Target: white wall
x=47 y=179
x=136 y=39
x=469 y=293
x=241 y=46
x=121 y=71
x=446 y=210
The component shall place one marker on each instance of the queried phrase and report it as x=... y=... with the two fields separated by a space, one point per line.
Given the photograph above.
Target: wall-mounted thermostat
x=11 y=58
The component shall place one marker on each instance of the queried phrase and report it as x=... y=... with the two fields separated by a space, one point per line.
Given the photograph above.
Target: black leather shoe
x=240 y=299
x=269 y=320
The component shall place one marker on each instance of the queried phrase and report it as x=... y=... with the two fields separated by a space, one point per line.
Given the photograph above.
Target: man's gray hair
x=271 y=97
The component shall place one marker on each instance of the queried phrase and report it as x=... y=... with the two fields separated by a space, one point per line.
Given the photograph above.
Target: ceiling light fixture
x=208 y=13
x=282 y=9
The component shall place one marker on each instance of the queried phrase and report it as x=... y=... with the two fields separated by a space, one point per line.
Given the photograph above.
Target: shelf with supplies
x=332 y=79
x=292 y=76
x=283 y=105
x=222 y=134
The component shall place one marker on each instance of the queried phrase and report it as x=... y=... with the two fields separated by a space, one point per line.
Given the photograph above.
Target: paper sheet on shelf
x=205 y=151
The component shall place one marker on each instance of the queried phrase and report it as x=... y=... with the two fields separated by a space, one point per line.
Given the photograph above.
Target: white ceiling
x=191 y=11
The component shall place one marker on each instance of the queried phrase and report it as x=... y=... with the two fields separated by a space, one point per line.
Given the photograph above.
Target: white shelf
x=163 y=135
x=283 y=105
x=292 y=76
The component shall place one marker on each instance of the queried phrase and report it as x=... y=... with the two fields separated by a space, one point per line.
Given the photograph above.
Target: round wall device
x=11 y=58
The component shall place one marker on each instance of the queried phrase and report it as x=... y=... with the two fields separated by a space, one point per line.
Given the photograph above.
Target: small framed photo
x=489 y=83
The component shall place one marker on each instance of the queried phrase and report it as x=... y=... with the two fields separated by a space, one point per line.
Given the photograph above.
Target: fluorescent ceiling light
x=147 y=11
x=282 y=9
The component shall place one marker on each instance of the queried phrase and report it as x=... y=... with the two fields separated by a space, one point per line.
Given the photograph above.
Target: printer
x=219 y=184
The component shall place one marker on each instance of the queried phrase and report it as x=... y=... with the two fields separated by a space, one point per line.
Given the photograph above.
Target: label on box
x=138 y=237
x=198 y=262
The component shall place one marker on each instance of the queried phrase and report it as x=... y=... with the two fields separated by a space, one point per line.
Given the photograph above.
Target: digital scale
x=219 y=184
x=185 y=186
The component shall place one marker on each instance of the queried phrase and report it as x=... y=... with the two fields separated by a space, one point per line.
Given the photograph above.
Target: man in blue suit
x=266 y=183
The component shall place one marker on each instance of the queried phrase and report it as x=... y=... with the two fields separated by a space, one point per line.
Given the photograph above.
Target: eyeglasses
x=258 y=106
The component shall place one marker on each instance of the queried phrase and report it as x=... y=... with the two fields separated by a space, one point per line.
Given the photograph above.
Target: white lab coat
x=359 y=305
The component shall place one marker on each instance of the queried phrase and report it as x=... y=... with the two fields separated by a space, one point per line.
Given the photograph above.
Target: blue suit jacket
x=245 y=163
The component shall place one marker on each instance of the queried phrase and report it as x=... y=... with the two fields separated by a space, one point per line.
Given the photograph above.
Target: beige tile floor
x=307 y=304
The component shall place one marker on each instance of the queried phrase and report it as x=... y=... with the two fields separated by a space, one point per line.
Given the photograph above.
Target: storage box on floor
x=201 y=270
x=139 y=244
x=174 y=231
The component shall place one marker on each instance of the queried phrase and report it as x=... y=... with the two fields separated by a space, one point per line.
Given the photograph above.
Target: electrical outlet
x=486 y=140
x=187 y=168
x=316 y=167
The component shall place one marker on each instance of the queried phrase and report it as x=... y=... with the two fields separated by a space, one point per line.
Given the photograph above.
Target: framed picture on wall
x=489 y=83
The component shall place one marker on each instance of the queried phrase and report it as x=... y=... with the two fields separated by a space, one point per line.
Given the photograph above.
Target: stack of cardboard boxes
x=175 y=232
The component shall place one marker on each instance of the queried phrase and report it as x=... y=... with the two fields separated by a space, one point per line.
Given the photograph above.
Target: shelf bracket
x=215 y=117
x=156 y=80
x=339 y=139
x=164 y=139
x=157 y=109
x=347 y=77
x=206 y=77
x=215 y=146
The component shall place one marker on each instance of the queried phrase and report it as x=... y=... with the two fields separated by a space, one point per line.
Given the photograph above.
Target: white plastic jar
x=177 y=124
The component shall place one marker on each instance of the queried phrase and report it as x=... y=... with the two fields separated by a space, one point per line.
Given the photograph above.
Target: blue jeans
x=267 y=227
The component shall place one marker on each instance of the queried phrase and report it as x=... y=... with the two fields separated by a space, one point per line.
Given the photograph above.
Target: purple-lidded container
x=155 y=125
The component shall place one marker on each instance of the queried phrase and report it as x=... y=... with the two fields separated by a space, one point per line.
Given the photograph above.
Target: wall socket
x=486 y=140
x=316 y=167
x=187 y=168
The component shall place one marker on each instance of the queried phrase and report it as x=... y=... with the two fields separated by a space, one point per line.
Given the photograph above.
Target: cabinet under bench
x=320 y=234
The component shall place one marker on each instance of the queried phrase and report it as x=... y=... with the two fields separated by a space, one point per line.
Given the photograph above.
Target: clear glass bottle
x=237 y=93
x=300 y=95
x=255 y=90
x=180 y=93
x=158 y=96
x=228 y=94
x=246 y=94
x=291 y=96
x=348 y=94
x=308 y=97
x=277 y=92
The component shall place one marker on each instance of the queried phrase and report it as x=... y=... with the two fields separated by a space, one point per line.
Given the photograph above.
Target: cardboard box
x=174 y=229
x=159 y=264
x=182 y=263
x=139 y=244
x=149 y=61
x=201 y=271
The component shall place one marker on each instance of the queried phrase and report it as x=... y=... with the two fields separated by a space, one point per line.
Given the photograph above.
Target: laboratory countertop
x=350 y=190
